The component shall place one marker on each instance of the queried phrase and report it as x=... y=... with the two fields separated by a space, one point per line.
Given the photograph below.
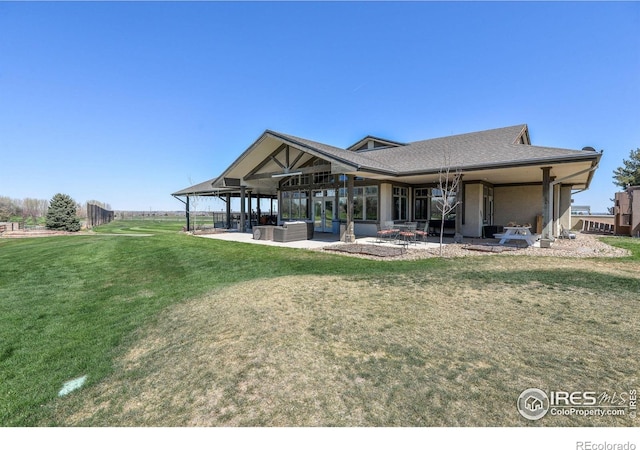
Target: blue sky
x=128 y=102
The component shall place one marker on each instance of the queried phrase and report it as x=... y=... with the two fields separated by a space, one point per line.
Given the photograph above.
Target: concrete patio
x=320 y=240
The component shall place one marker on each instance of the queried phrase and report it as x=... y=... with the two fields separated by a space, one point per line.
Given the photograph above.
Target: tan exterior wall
x=386 y=202
x=472 y=226
x=520 y=204
x=564 y=210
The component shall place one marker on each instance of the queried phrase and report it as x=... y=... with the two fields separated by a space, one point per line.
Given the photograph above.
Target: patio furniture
x=388 y=232
x=263 y=233
x=293 y=231
x=407 y=233
x=516 y=234
x=424 y=233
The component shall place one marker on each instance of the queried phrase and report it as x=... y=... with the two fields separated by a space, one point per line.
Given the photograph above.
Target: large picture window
x=365 y=203
x=293 y=205
x=437 y=202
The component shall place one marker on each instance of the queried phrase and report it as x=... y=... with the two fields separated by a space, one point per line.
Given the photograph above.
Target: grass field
x=176 y=330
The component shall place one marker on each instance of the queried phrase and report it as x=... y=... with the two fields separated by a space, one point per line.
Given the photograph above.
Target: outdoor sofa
x=293 y=231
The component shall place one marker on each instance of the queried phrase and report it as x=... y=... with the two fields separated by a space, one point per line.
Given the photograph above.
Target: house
x=533 y=403
x=627 y=212
x=504 y=178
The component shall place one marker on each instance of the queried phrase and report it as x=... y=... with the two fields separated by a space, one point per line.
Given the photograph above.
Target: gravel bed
x=583 y=246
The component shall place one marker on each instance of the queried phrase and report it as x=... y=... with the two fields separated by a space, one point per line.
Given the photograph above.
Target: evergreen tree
x=629 y=173
x=62 y=214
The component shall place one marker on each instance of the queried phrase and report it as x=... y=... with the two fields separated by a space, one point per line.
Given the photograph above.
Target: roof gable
x=491 y=148
x=373 y=143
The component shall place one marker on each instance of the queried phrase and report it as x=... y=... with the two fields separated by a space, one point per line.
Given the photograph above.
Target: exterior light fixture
x=281 y=175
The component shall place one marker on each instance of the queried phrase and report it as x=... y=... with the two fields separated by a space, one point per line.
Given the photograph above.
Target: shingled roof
x=495 y=148
x=490 y=149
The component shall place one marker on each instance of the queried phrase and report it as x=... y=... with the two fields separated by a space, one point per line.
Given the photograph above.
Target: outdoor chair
x=424 y=233
x=388 y=232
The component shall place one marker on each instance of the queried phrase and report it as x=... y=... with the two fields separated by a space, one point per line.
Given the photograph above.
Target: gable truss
x=286 y=159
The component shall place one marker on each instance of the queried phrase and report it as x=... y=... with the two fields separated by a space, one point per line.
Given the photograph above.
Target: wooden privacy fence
x=97 y=215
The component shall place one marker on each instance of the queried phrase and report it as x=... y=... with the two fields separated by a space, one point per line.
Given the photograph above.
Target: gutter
x=590 y=169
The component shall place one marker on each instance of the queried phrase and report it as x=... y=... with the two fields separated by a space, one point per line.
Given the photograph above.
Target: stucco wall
x=386 y=202
x=520 y=204
x=564 y=210
x=472 y=226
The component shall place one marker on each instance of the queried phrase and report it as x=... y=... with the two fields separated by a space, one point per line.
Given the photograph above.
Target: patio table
x=516 y=233
x=407 y=233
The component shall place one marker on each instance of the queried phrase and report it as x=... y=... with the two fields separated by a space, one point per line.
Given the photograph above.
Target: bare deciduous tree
x=447 y=201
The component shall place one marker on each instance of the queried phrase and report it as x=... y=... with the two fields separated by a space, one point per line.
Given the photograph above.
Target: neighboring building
x=578 y=210
x=504 y=179
x=627 y=212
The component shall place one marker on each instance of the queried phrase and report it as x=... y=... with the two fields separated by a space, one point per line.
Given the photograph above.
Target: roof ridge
x=519 y=128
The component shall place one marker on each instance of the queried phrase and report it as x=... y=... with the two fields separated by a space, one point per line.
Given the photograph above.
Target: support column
x=555 y=230
x=250 y=207
x=547 y=213
x=349 y=235
x=228 y=211
x=242 y=208
x=258 y=212
x=187 y=214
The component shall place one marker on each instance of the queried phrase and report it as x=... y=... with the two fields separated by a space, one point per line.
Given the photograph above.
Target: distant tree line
x=34 y=210
x=12 y=209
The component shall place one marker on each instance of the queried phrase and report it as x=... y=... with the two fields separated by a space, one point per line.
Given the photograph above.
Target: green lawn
x=80 y=305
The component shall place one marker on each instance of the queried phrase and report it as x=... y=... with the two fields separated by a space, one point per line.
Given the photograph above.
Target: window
x=400 y=202
x=342 y=204
x=365 y=203
x=296 y=180
x=437 y=203
x=487 y=211
x=293 y=205
x=421 y=204
x=371 y=202
x=322 y=178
